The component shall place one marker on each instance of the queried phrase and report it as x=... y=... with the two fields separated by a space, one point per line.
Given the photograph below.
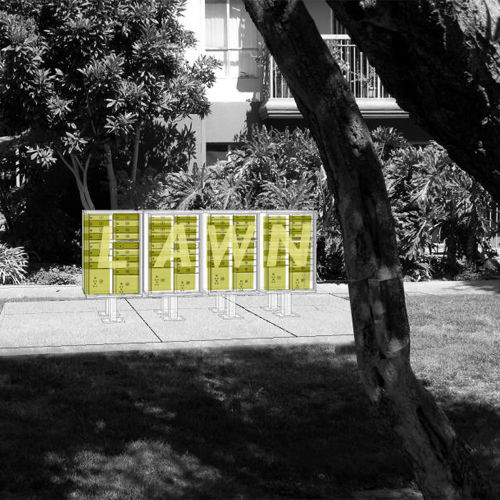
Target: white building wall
x=234 y=99
x=193 y=19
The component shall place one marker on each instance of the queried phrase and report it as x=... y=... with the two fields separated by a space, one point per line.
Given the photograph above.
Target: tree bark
x=81 y=182
x=135 y=157
x=440 y=60
x=440 y=459
x=85 y=178
x=113 y=185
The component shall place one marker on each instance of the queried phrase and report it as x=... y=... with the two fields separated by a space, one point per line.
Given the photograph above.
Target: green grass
x=273 y=422
x=456 y=354
x=456 y=346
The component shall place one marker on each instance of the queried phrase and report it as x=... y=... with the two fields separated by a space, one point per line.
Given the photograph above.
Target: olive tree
x=85 y=80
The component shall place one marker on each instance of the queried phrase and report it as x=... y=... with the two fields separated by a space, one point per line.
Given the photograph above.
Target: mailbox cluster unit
x=111 y=238
x=231 y=252
x=288 y=268
x=172 y=253
x=173 y=242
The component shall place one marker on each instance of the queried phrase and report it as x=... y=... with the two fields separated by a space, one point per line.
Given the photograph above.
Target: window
x=217 y=151
x=231 y=37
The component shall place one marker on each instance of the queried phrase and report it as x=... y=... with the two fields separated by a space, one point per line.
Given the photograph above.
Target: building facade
x=250 y=88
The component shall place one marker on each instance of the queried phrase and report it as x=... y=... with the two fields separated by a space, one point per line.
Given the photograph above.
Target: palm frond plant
x=189 y=190
x=386 y=140
x=13 y=264
x=434 y=201
x=289 y=195
x=232 y=192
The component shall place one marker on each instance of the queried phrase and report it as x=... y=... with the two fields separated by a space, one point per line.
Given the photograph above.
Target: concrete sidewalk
x=59 y=319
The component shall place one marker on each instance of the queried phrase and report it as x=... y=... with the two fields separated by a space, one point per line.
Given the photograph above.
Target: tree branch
x=82 y=190
x=113 y=186
x=135 y=159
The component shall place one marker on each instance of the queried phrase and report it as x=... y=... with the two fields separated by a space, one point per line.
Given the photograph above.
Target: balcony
x=371 y=96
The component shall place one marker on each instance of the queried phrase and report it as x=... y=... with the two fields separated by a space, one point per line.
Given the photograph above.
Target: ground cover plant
x=280 y=422
x=53 y=274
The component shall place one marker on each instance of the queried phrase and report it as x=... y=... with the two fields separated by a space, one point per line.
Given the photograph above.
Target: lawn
x=270 y=422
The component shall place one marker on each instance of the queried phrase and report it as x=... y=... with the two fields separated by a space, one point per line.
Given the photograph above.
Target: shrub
x=56 y=275
x=433 y=201
x=40 y=214
x=13 y=264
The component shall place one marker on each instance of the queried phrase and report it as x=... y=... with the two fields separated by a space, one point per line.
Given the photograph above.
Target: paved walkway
x=60 y=319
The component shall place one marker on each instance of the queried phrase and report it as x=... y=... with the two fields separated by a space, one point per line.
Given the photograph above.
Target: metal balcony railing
x=361 y=76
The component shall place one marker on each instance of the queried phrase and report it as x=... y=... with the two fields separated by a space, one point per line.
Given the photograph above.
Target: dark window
x=217 y=151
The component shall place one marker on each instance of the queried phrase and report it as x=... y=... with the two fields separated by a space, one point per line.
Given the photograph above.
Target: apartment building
x=250 y=88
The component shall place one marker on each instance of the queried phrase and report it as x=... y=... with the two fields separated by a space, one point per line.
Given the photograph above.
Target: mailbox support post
x=110 y=313
x=272 y=303
x=169 y=308
x=225 y=306
x=220 y=304
x=230 y=309
x=286 y=306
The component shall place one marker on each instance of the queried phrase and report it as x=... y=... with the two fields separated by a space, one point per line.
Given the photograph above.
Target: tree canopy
x=84 y=80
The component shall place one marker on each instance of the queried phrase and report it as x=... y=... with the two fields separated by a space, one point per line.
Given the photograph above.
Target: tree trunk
x=440 y=59
x=135 y=157
x=381 y=330
x=85 y=182
x=113 y=185
x=81 y=182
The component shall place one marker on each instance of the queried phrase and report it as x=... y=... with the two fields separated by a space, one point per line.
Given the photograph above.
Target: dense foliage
x=436 y=206
x=41 y=209
x=434 y=201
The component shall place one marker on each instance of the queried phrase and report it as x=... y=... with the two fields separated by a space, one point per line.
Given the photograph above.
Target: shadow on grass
x=490 y=286
x=281 y=422
x=479 y=426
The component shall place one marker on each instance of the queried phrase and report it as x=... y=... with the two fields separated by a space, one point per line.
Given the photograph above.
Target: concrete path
x=59 y=319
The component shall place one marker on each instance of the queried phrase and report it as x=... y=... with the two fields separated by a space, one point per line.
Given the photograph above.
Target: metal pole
x=173 y=307
x=286 y=306
x=169 y=308
x=111 y=314
x=272 y=304
x=220 y=305
x=230 y=311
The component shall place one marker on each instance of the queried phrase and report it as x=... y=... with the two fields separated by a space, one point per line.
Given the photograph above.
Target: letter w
x=239 y=249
